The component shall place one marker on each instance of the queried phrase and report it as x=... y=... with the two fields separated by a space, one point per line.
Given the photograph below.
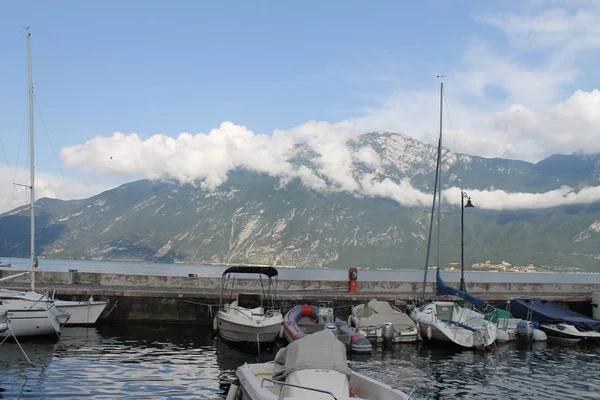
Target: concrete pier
x=193 y=299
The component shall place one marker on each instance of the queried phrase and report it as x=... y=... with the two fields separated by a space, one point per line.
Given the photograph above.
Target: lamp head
x=469 y=204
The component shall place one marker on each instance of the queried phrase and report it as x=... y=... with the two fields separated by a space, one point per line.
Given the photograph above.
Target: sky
x=191 y=90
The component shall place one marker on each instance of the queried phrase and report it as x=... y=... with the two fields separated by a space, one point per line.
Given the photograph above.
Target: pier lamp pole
x=463 y=196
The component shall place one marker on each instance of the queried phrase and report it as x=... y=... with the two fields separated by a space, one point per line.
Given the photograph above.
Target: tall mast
x=439 y=166
x=31 y=164
x=435 y=190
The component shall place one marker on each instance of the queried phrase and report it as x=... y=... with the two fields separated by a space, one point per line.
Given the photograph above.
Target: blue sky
x=513 y=69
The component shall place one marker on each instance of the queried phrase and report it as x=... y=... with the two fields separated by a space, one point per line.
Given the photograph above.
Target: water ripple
x=147 y=362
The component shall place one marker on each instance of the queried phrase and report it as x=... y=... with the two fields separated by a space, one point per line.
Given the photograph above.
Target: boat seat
x=322 y=379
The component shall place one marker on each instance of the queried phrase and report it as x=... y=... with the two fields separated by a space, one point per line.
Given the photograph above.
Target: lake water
x=141 y=268
x=188 y=362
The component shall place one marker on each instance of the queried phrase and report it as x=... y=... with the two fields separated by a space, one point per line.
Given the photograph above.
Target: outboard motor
x=525 y=329
x=324 y=313
x=388 y=332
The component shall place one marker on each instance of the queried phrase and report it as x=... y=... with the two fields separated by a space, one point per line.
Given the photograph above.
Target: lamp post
x=463 y=196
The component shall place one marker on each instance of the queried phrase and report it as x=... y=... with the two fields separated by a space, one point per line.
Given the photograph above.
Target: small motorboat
x=557 y=322
x=314 y=367
x=248 y=317
x=510 y=328
x=303 y=320
x=382 y=322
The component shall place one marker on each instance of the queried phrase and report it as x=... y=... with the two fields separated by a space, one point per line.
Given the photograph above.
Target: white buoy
x=215 y=324
x=596 y=305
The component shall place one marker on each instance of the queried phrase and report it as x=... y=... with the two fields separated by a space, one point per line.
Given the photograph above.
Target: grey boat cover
x=320 y=350
x=376 y=313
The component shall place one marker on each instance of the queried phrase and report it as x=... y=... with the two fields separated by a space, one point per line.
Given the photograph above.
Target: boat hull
x=248 y=331
x=568 y=333
x=302 y=320
x=433 y=326
x=81 y=312
x=253 y=386
x=27 y=319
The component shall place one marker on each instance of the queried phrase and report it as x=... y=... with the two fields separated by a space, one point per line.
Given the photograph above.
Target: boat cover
x=546 y=312
x=320 y=350
x=376 y=313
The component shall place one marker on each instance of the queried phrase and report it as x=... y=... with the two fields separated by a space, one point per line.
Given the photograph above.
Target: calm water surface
x=183 y=362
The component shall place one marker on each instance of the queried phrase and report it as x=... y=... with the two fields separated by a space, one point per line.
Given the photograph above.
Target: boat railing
x=296 y=386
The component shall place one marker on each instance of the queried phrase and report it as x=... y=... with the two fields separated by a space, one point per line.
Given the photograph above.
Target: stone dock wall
x=193 y=299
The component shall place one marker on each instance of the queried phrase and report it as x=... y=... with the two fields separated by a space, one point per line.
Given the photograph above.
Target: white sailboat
x=442 y=320
x=69 y=312
x=27 y=316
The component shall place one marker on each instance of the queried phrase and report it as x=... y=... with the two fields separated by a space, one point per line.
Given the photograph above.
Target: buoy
x=429 y=332
x=215 y=324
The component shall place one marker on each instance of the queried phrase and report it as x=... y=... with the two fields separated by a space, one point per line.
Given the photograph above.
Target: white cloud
x=46 y=185
x=569 y=126
x=501 y=200
x=210 y=157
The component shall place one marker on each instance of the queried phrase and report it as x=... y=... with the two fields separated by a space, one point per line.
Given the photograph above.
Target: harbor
x=193 y=298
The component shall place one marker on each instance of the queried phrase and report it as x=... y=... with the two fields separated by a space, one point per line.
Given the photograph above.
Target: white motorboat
x=85 y=312
x=70 y=312
x=557 y=322
x=510 y=328
x=379 y=321
x=313 y=367
x=28 y=317
x=249 y=317
x=447 y=321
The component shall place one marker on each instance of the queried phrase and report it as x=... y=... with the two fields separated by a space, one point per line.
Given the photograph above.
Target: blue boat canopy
x=441 y=289
x=545 y=311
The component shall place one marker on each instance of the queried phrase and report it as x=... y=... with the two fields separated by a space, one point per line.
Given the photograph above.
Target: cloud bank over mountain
x=209 y=158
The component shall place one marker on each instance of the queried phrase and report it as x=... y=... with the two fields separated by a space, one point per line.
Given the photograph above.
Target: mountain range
x=258 y=218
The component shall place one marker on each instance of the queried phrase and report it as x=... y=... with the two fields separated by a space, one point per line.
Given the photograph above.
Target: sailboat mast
x=439 y=165
x=435 y=190
x=31 y=164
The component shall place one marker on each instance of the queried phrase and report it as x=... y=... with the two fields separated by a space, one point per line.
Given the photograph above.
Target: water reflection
x=185 y=362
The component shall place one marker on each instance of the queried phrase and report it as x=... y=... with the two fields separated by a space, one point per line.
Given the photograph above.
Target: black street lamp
x=463 y=196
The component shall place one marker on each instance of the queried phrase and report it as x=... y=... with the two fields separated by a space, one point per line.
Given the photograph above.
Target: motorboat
x=559 y=323
x=303 y=320
x=510 y=328
x=85 y=312
x=380 y=321
x=79 y=313
x=30 y=317
x=248 y=317
x=313 y=367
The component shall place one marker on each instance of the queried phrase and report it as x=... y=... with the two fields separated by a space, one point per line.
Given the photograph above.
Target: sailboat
x=27 y=316
x=69 y=312
x=448 y=321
